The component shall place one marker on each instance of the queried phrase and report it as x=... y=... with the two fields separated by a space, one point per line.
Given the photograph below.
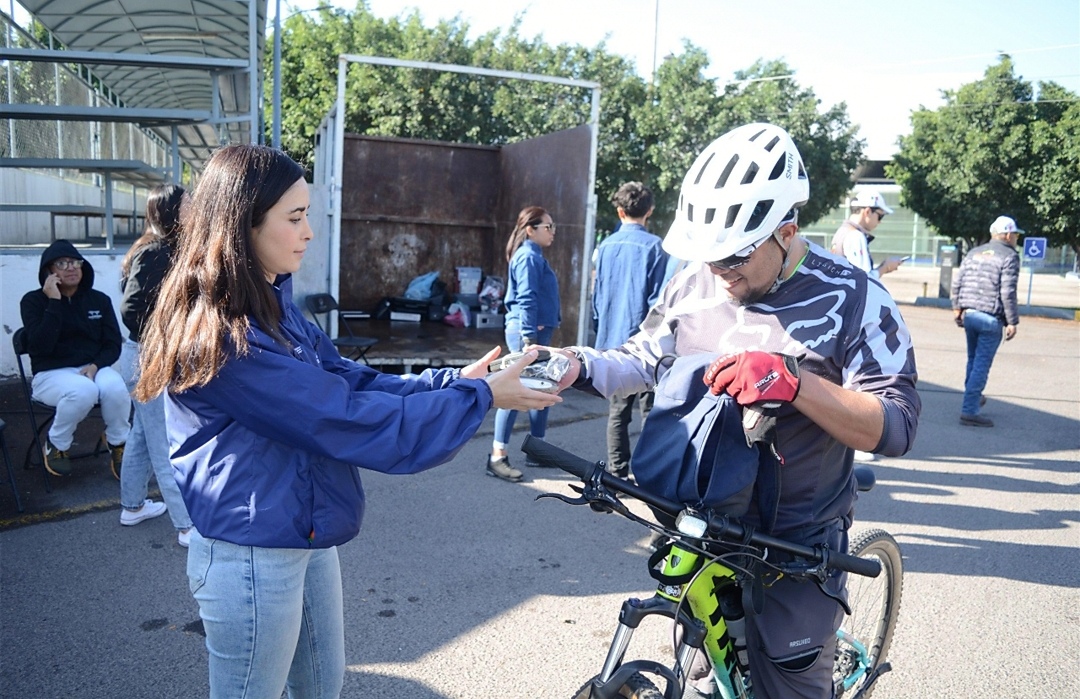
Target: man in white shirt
x=852 y=239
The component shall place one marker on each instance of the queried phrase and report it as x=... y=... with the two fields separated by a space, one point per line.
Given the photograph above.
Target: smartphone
x=905 y=258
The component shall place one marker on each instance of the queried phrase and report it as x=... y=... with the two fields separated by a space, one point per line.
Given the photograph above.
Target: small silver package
x=543 y=374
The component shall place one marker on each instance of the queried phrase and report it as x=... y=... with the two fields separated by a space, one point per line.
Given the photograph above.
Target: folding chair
x=10 y=470
x=18 y=342
x=349 y=344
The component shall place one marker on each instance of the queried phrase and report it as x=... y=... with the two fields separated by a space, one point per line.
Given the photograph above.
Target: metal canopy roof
x=184 y=59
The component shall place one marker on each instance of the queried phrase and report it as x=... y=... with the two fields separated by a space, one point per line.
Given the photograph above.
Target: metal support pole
x=108 y=212
x=253 y=72
x=335 y=189
x=174 y=147
x=590 y=222
x=277 y=75
x=915 y=239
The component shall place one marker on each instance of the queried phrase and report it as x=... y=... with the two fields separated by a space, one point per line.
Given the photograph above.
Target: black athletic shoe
x=501 y=468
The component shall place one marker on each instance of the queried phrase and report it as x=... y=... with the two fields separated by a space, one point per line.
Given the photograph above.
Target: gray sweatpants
x=792 y=643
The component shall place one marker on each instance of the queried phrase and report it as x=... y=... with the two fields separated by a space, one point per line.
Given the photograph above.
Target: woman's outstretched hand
x=506 y=387
x=479 y=368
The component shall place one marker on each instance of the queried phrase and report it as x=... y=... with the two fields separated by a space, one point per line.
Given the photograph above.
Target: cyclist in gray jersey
x=757 y=294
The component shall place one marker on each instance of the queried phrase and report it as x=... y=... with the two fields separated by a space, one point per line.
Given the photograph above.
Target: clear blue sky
x=882 y=59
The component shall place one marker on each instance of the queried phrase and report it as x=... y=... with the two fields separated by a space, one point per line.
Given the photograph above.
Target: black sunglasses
x=737 y=260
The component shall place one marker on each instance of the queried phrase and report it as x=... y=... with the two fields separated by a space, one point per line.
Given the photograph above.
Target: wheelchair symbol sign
x=1035 y=248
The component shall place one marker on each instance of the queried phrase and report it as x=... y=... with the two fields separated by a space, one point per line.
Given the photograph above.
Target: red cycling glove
x=755 y=377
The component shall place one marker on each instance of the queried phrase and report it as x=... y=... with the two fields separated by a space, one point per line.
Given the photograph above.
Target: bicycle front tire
x=636 y=687
x=875 y=607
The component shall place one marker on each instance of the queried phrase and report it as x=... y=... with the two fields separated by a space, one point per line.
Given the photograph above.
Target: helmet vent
x=778 y=169
x=709 y=214
x=751 y=173
x=732 y=214
x=720 y=183
x=802 y=172
x=690 y=213
x=759 y=214
x=772 y=143
x=704 y=167
x=754 y=137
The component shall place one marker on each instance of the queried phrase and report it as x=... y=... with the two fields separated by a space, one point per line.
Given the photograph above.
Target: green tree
x=827 y=141
x=972 y=159
x=676 y=124
x=648 y=133
x=1053 y=182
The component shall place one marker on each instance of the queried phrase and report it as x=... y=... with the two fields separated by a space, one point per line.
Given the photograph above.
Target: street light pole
x=655 y=34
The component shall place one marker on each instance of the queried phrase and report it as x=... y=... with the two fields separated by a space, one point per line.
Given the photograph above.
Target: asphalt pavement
x=461 y=585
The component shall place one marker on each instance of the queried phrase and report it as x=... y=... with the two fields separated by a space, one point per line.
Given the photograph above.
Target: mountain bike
x=707 y=561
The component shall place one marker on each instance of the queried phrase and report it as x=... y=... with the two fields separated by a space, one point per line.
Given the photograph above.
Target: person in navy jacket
x=268 y=425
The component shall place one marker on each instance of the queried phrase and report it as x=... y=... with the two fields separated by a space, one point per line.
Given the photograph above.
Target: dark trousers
x=620 y=415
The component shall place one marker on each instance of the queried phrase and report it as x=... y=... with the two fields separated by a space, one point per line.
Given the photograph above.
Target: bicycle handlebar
x=720 y=525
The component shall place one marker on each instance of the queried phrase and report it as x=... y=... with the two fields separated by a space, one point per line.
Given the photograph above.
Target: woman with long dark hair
x=268 y=424
x=532 y=314
x=141 y=274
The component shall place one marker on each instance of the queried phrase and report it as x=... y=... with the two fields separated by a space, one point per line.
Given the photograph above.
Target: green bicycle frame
x=703 y=596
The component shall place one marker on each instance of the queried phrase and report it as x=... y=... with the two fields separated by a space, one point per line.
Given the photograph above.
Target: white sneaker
x=149 y=510
x=183 y=537
x=865 y=456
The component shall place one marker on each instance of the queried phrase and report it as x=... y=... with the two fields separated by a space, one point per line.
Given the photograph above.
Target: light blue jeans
x=983 y=338
x=504 y=419
x=273 y=618
x=148 y=447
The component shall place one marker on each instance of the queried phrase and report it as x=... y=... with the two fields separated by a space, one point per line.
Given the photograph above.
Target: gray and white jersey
x=845 y=327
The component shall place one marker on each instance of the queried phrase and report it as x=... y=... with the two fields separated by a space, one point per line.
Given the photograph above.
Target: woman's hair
x=529 y=216
x=162 y=222
x=216 y=286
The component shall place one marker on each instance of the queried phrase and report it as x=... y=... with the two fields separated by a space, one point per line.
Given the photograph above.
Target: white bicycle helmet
x=737 y=192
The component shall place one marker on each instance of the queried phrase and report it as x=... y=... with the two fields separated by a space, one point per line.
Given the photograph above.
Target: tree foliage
x=992 y=150
x=648 y=132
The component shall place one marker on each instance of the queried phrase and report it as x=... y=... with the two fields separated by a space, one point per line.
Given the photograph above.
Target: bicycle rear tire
x=875 y=607
x=636 y=687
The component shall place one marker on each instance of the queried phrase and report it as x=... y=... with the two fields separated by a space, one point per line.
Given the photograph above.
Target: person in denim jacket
x=631 y=270
x=532 y=314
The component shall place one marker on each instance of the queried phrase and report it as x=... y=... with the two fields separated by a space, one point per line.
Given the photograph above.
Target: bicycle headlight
x=690 y=524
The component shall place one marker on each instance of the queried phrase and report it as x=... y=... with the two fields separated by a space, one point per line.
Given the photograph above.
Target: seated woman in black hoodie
x=73 y=340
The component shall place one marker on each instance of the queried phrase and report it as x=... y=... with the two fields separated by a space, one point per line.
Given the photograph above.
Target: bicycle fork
x=714 y=604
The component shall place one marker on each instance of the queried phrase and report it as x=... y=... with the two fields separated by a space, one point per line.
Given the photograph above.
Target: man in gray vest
x=984 y=301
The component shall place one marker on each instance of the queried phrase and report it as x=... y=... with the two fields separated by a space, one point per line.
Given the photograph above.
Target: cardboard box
x=489 y=320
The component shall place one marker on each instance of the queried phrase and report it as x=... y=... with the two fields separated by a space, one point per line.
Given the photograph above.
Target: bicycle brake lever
x=565 y=498
x=595 y=496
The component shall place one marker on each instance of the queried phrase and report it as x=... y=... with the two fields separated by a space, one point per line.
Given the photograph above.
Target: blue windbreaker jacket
x=266 y=454
x=532 y=290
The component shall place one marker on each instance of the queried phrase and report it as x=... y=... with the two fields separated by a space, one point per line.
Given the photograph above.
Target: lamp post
x=276 y=129
x=276 y=138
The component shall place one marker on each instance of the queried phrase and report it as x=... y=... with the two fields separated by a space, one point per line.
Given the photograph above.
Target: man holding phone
x=73 y=339
x=852 y=239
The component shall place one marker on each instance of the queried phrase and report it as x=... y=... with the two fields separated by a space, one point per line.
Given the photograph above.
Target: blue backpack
x=693 y=449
